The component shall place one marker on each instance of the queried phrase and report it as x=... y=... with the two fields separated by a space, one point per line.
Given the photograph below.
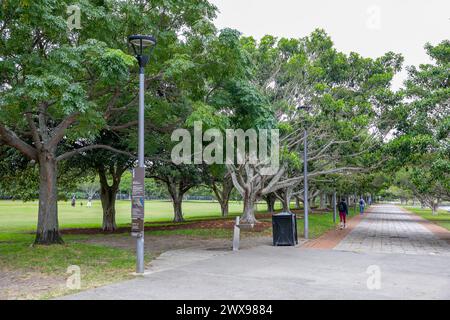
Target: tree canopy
x=68 y=111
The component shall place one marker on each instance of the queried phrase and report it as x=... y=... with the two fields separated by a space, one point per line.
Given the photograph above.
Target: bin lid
x=284 y=214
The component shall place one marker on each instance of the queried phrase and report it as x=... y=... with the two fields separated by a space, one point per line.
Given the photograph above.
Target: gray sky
x=369 y=27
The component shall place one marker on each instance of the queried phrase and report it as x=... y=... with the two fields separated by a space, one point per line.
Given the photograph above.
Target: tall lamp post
x=305 y=173
x=140 y=43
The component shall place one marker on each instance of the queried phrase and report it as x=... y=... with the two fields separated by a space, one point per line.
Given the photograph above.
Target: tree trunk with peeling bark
x=248 y=216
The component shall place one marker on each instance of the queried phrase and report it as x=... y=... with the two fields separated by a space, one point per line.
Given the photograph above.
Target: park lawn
x=99 y=265
x=22 y=216
x=19 y=216
x=442 y=218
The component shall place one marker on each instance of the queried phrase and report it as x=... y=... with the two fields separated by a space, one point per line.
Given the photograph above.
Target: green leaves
x=423 y=140
x=113 y=66
x=178 y=66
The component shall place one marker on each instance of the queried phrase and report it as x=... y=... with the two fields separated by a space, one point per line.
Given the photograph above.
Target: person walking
x=343 y=212
x=73 y=200
x=362 y=205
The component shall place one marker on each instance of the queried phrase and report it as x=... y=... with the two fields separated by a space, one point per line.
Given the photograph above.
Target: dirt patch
x=263 y=224
x=27 y=285
x=155 y=245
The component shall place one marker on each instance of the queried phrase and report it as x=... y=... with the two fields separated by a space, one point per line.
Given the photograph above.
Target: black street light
x=140 y=44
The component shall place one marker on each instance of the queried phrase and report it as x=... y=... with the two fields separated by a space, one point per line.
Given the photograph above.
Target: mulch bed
x=201 y=224
x=222 y=223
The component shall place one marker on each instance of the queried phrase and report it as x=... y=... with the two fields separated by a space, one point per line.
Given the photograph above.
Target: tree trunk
x=285 y=196
x=47 y=229
x=248 y=215
x=329 y=201
x=224 y=207
x=285 y=205
x=108 y=198
x=434 y=207
x=322 y=201
x=177 y=209
x=223 y=195
x=297 y=203
x=108 y=195
x=286 y=201
x=177 y=200
x=270 y=200
x=312 y=201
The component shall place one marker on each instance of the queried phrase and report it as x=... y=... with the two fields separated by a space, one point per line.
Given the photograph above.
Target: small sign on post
x=137 y=202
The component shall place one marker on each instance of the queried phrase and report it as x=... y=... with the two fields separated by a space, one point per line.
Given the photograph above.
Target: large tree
x=60 y=87
x=346 y=96
x=422 y=140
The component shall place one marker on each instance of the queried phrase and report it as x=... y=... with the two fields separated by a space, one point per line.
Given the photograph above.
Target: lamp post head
x=139 y=42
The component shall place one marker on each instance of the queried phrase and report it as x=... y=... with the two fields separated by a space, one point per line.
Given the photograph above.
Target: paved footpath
x=390 y=229
x=388 y=245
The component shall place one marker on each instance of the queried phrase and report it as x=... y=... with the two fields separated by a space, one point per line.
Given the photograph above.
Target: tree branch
x=70 y=154
x=11 y=139
x=59 y=131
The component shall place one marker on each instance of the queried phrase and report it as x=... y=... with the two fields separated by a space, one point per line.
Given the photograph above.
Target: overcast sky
x=369 y=27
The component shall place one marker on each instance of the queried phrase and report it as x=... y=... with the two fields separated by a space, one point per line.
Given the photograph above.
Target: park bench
x=237 y=232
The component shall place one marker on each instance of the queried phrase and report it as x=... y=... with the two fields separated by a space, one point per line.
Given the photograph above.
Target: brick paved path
x=389 y=229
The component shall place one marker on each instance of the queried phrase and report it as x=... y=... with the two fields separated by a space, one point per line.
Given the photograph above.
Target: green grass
x=99 y=265
x=319 y=223
x=104 y=264
x=16 y=216
x=442 y=218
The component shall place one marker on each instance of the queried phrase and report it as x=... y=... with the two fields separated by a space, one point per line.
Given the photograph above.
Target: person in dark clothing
x=362 y=205
x=343 y=212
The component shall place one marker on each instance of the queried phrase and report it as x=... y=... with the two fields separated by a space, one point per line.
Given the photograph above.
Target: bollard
x=236 y=235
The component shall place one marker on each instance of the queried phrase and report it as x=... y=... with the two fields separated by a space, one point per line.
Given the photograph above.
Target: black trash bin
x=284 y=229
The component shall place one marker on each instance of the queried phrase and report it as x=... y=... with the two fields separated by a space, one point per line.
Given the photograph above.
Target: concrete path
x=390 y=229
x=356 y=269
